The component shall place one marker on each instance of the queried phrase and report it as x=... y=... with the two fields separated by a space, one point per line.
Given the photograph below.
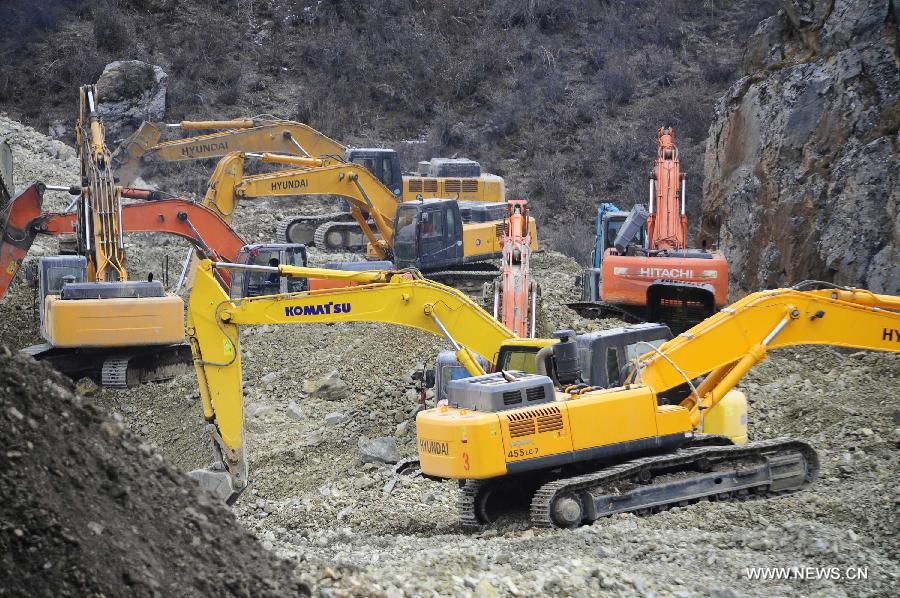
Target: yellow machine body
x=487 y=238
x=593 y=423
x=487 y=187
x=127 y=322
x=463 y=444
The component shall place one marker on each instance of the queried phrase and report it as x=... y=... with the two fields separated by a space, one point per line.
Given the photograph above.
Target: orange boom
x=676 y=285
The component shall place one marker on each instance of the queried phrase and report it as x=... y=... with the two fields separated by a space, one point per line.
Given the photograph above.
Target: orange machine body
x=627 y=279
x=667 y=272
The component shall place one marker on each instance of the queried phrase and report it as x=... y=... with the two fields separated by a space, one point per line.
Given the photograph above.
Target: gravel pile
x=323 y=497
x=88 y=508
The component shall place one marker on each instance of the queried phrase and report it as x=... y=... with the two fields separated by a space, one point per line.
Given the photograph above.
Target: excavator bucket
x=18 y=232
x=6 y=174
x=127 y=157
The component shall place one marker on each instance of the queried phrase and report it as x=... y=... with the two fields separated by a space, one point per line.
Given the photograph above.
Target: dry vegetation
x=562 y=98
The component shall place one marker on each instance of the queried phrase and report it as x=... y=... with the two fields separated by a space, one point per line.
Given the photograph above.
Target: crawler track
x=651 y=484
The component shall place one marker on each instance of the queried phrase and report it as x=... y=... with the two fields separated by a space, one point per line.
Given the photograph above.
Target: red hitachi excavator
x=673 y=283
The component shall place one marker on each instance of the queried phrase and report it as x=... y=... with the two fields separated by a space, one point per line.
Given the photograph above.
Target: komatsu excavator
x=570 y=453
x=459 y=179
x=399 y=297
x=447 y=239
x=647 y=270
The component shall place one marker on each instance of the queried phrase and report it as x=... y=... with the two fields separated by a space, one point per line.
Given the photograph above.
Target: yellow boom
x=725 y=346
x=280 y=136
x=400 y=298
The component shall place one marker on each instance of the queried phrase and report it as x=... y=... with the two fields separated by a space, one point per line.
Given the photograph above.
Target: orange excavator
x=666 y=280
x=515 y=294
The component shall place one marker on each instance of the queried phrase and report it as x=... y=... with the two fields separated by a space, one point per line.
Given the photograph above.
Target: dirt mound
x=88 y=508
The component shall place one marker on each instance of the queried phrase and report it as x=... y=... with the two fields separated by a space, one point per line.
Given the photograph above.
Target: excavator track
x=470 y=280
x=761 y=469
x=341 y=236
x=707 y=470
x=302 y=229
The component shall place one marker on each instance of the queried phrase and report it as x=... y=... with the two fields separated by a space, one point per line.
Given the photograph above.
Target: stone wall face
x=801 y=161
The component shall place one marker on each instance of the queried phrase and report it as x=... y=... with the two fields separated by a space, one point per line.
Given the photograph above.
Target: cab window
x=432 y=224
x=387 y=173
x=519 y=360
x=635 y=350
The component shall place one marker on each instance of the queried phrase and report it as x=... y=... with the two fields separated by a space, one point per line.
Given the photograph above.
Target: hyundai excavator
x=402 y=298
x=459 y=179
x=569 y=453
x=449 y=240
x=647 y=270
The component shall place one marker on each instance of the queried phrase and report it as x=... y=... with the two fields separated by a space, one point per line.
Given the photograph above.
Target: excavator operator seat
x=381 y=162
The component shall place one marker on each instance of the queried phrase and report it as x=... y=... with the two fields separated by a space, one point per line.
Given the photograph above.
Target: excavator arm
x=399 y=298
x=100 y=206
x=23 y=220
x=244 y=135
x=725 y=346
x=355 y=183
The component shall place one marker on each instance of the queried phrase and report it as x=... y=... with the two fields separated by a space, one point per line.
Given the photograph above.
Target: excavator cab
x=383 y=163
x=609 y=223
x=254 y=284
x=428 y=234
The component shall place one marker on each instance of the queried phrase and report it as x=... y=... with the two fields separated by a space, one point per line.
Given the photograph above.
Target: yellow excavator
x=571 y=453
x=666 y=429
x=89 y=310
x=455 y=178
x=450 y=240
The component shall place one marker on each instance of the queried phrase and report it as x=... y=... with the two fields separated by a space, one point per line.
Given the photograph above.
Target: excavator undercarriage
x=708 y=468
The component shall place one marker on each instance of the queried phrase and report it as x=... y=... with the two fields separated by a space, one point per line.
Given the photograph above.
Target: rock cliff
x=801 y=161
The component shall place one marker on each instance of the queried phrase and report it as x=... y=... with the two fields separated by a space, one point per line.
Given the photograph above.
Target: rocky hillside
x=802 y=157
x=561 y=98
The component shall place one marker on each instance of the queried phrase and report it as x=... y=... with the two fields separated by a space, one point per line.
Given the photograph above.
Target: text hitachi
x=666 y=273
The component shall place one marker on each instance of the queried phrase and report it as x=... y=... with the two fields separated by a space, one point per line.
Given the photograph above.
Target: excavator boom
x=23 y=220
x=100 y=234
x=279 y=136
x=399 y=298
x=518 y=292
x=725 y=346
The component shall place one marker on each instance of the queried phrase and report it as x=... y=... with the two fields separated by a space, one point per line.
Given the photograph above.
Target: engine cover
x=493 y=392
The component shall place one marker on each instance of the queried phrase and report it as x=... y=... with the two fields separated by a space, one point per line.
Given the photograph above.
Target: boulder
x=378 y=450
x=130 y=92
x=329 y=387
x=801 y=170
